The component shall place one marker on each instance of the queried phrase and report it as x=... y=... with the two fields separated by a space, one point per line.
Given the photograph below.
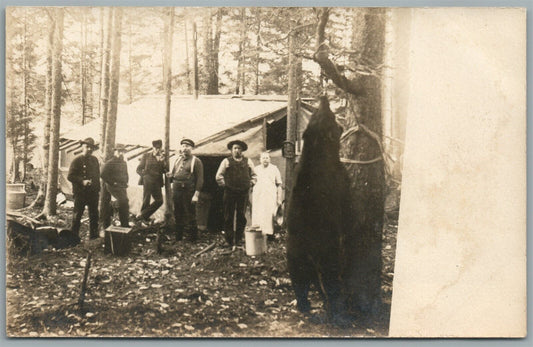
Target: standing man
x=115 y=177
x=84 y=173
x=266 y=195
x=151 y=169
x=236 y=175
x=187 y=178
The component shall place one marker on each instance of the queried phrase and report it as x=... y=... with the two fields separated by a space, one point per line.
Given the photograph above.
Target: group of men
x=236 y=175
x=84 y=174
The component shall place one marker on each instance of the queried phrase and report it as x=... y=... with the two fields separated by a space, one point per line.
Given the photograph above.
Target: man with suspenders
x=187 y=176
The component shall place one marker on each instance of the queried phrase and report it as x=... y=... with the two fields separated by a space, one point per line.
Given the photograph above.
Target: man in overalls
x=187 y=178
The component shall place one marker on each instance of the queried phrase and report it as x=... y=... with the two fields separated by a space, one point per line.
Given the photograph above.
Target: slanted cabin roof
x=211 y=121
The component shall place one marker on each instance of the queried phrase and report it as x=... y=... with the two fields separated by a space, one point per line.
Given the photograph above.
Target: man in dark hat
x=151 y=169
x=84 y=173
x=236 y=174
x=187 y=178
x=115 y=177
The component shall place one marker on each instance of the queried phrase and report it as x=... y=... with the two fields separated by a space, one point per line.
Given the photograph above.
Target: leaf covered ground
x=174 y=294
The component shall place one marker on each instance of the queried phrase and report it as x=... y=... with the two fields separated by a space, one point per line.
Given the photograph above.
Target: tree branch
x=321 y=56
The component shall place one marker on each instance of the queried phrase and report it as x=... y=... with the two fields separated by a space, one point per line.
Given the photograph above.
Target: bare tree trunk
x=167 y=77
x=216 y=44
x=367 y=178
x=208 y=47
x=195 y=59
x=114 y=77
x=214 y=47
x=39 y=200
x=240 y=89
x=102 y=35
x=89 y=70
x=111 y=125
x=15 y=177
x=187 y=63
x=258 y=49
x=25 y=70
x=83 y=43
x=292 y=91
x=130 y=64
x=50 y=205
x=105 y=78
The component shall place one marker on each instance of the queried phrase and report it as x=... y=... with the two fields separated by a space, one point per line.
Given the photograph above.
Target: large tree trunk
x=39 y=200
x=365 y=165
x=367 y=180
x=167 y=78
x=50 y=205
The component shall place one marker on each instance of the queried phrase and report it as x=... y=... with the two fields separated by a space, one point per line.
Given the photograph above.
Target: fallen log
x=207 y=249
x=23 y=216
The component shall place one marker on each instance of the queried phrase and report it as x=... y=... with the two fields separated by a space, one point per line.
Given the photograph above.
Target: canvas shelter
x=210 y=121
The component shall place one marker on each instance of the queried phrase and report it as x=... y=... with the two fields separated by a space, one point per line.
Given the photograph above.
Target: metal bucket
x=15 y=196
x=255 y=241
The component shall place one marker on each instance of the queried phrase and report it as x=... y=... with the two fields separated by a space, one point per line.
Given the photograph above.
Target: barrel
x=15 y=196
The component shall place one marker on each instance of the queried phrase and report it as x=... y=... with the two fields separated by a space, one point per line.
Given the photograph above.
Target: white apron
x=264 y=204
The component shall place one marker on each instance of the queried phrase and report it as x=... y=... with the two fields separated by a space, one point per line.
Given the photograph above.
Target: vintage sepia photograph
x=221 y=172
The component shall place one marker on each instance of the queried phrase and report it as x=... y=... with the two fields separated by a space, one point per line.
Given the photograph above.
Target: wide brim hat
x=187 y=142
x=157 y=143
x=90 y=142
x=243 y=144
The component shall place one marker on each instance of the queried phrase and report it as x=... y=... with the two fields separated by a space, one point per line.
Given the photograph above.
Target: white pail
x=254 y=241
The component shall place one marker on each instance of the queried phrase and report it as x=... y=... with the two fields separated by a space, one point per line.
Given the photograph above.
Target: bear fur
x=319 y=216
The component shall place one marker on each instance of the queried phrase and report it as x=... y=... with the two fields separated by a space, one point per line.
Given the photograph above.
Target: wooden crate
x=117 y=240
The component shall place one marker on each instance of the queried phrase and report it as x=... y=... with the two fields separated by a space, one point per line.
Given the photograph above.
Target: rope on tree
x=376 y=138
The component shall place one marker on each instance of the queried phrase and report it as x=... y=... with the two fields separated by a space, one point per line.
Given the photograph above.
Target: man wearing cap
x=115 y=177
x=84 y=173
x=236 y=175
x=187 y=178
x=151 y=169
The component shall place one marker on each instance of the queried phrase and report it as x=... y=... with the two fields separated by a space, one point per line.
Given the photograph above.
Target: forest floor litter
x=178 y=293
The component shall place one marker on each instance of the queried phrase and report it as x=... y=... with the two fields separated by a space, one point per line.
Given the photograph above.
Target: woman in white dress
x=266 y=195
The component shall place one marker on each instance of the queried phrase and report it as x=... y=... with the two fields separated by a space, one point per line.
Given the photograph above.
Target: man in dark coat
x=236 y=174
x=84 y=173
x=187 y=177
x=151 y=169
x=115 y=177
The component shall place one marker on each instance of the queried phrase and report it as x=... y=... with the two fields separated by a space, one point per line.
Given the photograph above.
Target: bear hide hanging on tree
x=319 y=216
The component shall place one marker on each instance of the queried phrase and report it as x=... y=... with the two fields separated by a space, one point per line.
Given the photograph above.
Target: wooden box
x=117 y=240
